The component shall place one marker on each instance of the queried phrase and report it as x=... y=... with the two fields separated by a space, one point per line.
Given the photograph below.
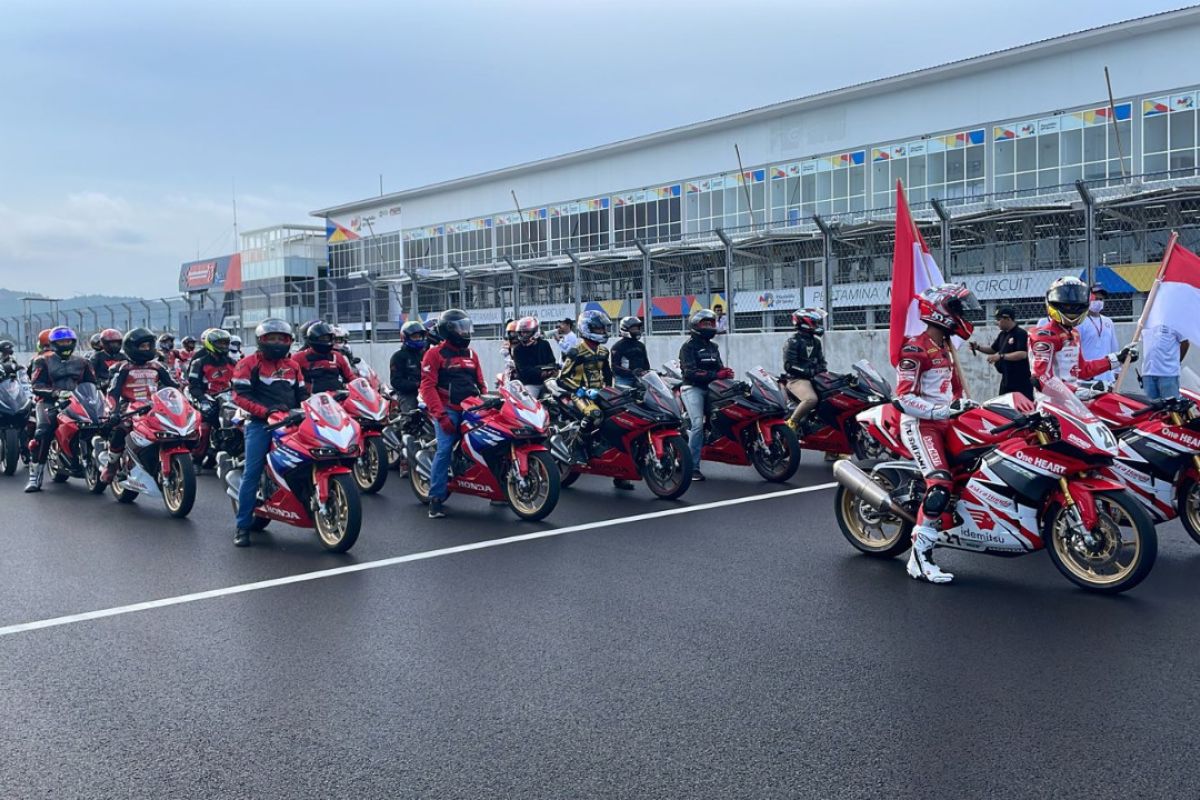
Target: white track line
x=117 y=611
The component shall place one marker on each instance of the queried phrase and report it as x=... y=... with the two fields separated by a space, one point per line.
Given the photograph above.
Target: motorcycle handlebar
x=1019 y=422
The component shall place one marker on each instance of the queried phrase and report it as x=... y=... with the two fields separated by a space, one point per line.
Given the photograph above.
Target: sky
x=129 y=127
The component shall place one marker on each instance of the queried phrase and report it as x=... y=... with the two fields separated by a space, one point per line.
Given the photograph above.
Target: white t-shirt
x=567 y=341
x=1098 y=338
x=1161 y=347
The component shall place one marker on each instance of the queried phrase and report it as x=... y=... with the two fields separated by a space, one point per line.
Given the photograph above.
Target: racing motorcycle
x=638 y=438
x=415 y=423
x=307 y=479
x=747 y=424
x=225 y=436
x=369 y=408
x=1023 y=481
x=16 y=407
x=82 y=414
x=500 y=454
x=157 y=461
x=831 y=427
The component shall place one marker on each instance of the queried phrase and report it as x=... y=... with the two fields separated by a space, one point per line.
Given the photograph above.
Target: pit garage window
x=1048 y=155
x=1169 y=136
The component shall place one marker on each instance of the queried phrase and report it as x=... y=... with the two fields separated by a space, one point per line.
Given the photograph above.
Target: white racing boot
x=36 y=471
x=920 y=558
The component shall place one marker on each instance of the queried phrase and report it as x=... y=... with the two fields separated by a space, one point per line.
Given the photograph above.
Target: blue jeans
x=693 y=401
x=1159 y=387
x=441 y=457
x=258 y=442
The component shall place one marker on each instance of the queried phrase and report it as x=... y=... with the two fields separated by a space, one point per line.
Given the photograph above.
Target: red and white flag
x=913 y=271
x=1178 y=296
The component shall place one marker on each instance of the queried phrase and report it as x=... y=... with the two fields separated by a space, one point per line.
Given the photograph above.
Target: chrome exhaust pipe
x=859 y=484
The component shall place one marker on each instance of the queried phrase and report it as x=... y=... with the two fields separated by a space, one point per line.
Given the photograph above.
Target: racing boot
x=36 y=471
x=110 y=469
x=920 y=558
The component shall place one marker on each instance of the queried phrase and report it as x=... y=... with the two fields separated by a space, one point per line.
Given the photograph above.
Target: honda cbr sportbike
x=82 y=414
x=747 y=424
x=638 y=438
x=832 y=427
x=416 y=424
x=501 y=454
x=16 y=408
x=226 y=436
x=1023 y=481
x=158 y=453
x=306 y=481
x=369 y=408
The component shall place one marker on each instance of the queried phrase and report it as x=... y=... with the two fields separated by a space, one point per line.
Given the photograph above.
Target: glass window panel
x=974 y=188
x=808 y=191
x=841 y=181
x=899 y=171
x=1095 y=143
x=935 y=168
x=1004 y=155
x=1156 y=163
x=1047 y=178
x=1182 y=163
x=718 y=204
x=975 y=161
x=857 y=180
x=955 y=165
x=1027 y=154
x=1183 y=130
x=1125 y=141
x=1070 y=145
x=1154 y=134
x=1095 y=171
x=1026 y=181
x=1047 y=150
x=880 y=175
x=824 y=188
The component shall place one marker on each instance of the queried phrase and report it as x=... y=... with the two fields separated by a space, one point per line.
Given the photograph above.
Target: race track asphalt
x=737 y=651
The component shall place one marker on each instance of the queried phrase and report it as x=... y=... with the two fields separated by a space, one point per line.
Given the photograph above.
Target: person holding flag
x=1169 y=320
x=1054 y=349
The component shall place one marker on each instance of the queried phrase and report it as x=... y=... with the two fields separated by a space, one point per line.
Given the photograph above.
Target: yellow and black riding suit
x=586 y=366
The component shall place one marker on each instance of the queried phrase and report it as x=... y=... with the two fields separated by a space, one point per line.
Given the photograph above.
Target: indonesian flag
x=1178 y=295
x=913 y=271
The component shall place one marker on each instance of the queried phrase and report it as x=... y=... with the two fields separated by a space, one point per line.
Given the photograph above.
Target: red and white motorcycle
x=1025 y=479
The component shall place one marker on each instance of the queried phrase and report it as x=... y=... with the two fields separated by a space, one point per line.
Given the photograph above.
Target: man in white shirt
x=1164 y=348
x=565 y=336
x=722 y=320
x=1097 y=336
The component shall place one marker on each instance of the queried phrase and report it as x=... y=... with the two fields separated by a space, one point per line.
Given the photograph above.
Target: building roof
x=998 y=58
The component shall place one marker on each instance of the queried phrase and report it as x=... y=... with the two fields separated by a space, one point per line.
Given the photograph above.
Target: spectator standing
x=1097 y=334
x=1009 y=353
x=1164 y=349
x=565 y=336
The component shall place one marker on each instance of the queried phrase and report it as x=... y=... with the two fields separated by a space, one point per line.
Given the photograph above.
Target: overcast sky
x=126 y=124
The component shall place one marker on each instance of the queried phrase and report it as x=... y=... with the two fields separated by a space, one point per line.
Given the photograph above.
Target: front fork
x=1074 y=512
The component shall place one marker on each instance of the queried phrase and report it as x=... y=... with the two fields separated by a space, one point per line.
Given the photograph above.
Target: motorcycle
x=307 y=479
x=369 y=408
x=225 y=436
x=638 y=438
x=500 y=454
x=1023 y=482
x=831 y=427
x=82 y=414
x=158 y=453
x=415 y=423
x=16 y=406
x=747 y=424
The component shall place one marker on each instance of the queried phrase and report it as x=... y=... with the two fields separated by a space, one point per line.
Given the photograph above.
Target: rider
x=629 y=358
x=94 y=343
x=105 y=360
x=700 y=364
x=532 y=356
x=187 y=353
x=211 y=373
x=8 y=362
x=803 y=357
x=133 y=382
x=450 y=373
x=341 y=343
x=235 y=348
x=405 y=364
x=265 y=382
x=929 y=393
x=325 y=369
x=1054 y=345
x=43 y=347
x=58 y=371
x=167 y=353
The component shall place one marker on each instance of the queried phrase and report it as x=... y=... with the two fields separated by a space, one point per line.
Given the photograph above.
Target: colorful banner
x=223 y=273
x=371 y=222
x=989 y=286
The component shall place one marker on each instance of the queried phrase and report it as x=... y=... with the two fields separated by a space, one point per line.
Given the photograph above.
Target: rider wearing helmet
x=8 y=361
x=94 y=342
x=586 y=369
x=1054 y=349
x=210 y=373
x=506 y=347
x=803 y=357
x=405 y=364
x=43 y=347
x=56 y=374
x=431 y=332
x=929 y=393
x=700 y=364
x=265 y=382
x=134 y=382
x=532 y=356
x=167 y=353
x=450 y=373
x=105 y=360
x=629 y=358
x=341 y=343
x=187 y=352
x=235 y=348
x=325 y=369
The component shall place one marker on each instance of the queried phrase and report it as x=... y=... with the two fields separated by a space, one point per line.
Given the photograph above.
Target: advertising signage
x=211 y=274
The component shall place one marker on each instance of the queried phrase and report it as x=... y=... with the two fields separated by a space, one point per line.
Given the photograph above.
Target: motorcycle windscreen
x=869 y=375
x=1189 y=381
x=92 y=401
x=673 y=370
x=172 y=401
x=364 y=388
x=658 y=396
x=1061 y=396
x=14 y=396
x=519 y=396
x=767 y=386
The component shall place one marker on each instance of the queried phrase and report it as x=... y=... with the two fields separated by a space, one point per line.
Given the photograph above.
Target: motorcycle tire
x=180 y=500
x=395 y=457
x=544 y=470
x=122 y=495
x=91 y=474
x=1187 y=506
x=12 y=450
x=370 y=468
x=1137 y=521
x=420 y=486
x=781 y=463
x=567 y=476
x=669 y=486
x=338 y=531
x=858 y=523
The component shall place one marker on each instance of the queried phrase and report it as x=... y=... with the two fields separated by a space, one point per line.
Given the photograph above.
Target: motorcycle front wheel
x=1122 y=549
x=539 y=494
x=54 y=463
x=420 y=486
x=370 y=468
x=339 y=524
x=1188 y=507
x=179 y=488
x=670 y=480
x=778 y=462
x=12 y=450
x=91 y=473
x=869 y=530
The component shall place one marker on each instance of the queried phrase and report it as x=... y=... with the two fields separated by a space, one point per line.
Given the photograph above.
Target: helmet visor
x=460 y=327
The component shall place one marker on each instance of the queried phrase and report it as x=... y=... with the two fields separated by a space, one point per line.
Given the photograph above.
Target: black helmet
x=455 y=327
x=703 y=323
x=94 y=342
x=431 y=331
x=319 y=336
x=593 y=325
x=139 y=345
x=632 y=327
x=273 y=351
x=1067 y=301
x=188 y=343
x=166 y=341
x=6 y=347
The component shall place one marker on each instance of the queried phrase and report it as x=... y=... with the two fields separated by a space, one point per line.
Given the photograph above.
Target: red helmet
x=44 y=340
x=528 y=330
x=111 y=341
x=946 y=306
x=809 y=320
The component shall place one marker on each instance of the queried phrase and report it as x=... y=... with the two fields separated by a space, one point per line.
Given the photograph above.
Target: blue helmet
x=413 y=333
x=63 y=340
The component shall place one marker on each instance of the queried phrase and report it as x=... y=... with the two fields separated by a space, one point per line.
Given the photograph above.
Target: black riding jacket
x=803 y=356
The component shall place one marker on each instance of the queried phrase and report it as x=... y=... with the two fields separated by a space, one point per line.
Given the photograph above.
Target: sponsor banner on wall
x=211 y=274
x=372 y=221
x=750 y=302
x=989 y=286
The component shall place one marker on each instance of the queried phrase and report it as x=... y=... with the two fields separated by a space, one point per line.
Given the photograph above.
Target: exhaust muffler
x=859 y=484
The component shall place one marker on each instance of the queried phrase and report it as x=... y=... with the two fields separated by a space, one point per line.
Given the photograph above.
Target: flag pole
x=1137 y=333
x=962 y=378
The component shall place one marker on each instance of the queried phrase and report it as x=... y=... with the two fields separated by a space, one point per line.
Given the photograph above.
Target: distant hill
x=11 y=305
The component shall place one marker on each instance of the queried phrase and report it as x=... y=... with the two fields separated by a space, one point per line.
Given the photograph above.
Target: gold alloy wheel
x=172 y=486
x=529 y=502
x=870 y=527
x=1113 y=557
x=1191 y=505
x=331 y=525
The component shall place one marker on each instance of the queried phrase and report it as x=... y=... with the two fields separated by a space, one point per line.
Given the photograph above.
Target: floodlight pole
x=827 y=232
x=1089 y=228
x=516 y=286
x=725 y=240
x=577 y=283
x=944 y=216
x=646 y=310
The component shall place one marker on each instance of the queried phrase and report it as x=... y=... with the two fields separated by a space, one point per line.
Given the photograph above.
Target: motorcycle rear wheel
x=1188 y=508
x=871 y=532
x=545 y=482
x=669 y=483
x=371 y=468
x=780 y=462
x=179 y=490
x=339 y=526
x=12 y=450
x=1101 y=569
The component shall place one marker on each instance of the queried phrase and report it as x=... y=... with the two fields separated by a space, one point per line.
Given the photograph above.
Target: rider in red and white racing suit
x=929 y=393
x=1054 y=345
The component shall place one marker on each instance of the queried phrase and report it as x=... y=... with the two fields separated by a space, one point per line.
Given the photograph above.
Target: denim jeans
x=1160 y=386
x=441 y=457
x=258 y=442
x=693 y=401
